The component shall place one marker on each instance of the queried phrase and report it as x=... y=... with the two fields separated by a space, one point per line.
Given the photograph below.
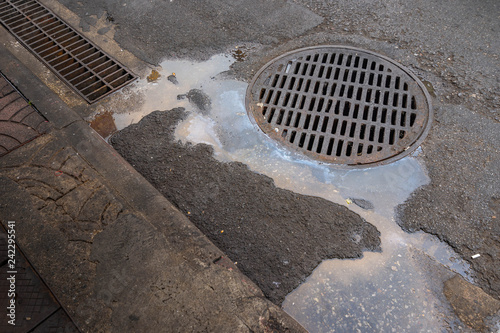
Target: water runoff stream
x=396 y=290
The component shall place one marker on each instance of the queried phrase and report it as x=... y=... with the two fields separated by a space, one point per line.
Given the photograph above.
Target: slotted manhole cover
x=341 y=105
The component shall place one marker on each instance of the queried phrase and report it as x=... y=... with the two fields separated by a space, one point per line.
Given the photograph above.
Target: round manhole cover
x=341 y=105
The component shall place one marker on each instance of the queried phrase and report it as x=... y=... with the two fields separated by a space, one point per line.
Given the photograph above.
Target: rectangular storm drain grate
x=74 y=59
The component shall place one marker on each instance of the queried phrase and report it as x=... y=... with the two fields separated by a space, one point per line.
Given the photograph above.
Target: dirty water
x=398 y=289
x=161 y=93
x=103 y=123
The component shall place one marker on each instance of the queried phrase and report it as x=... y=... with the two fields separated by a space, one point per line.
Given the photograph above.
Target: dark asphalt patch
x=463 y=158
x=274 y=236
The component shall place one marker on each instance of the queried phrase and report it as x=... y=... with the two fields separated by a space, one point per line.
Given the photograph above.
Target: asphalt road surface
x=451 y=45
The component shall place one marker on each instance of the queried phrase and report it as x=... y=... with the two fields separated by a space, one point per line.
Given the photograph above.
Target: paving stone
x=19 y=121
x=59 y=322
x=33 y=300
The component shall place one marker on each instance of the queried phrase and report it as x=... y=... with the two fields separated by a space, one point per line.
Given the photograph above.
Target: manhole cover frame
x=269 y=130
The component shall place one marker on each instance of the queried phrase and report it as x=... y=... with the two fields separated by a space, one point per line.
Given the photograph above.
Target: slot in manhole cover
x=84 y=67
x=341 y=105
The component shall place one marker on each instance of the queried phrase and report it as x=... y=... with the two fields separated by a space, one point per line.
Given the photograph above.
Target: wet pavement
x=395 y=289
x=97 y=251
x=447 y=188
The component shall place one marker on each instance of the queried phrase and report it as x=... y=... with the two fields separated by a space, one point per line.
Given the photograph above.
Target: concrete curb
x=139 y=264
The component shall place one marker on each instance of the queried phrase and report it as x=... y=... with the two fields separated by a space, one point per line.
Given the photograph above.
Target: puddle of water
x=387 y=291
x=161 y=94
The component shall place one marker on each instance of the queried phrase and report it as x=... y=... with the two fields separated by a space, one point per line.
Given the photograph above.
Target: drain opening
x=341 y=105
x=74 y=59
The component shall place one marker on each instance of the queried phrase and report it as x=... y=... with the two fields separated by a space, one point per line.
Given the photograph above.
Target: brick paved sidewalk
x=36 y=309
x=19 y=121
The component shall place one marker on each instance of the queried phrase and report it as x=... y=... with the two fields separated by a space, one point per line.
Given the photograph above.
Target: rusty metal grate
x=341 y=105
x=83 y=66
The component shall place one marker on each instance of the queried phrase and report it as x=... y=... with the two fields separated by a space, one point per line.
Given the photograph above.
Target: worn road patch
x=274 y=236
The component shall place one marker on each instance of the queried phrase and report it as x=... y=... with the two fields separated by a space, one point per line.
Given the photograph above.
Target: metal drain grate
x=341 y=105
x=74 y=59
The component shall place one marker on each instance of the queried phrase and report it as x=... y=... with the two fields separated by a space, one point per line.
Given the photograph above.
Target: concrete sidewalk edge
x=146 y=209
